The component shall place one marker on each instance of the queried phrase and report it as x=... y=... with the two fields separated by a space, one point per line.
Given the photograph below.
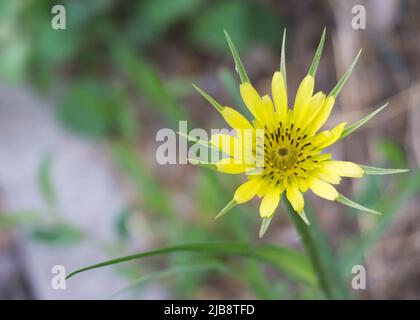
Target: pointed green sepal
x=303 y=216
x=238 y=63
x=204 y=143
x=350 y=203
x=265 y=223
x=317 y=57
x=361 y=122
x=344 y=78
x=283 y=58
x=381 y=171
x=229 y=206
x=202 y=164
x=214 y=103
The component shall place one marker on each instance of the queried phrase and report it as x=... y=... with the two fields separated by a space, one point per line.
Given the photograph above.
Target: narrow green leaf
x=381 y=171
x=317 y=57
x=215 y=104
x=238 y=63
x=264 y=226
x=229 y=206
x=288 y=261
x=283 y=58
x=361 y=122
x=203 y=164
x=350 y=203
x=344 y=78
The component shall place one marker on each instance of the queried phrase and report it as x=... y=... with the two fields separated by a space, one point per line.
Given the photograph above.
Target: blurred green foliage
x=104 y=68
x=247 y=22
x=97 y=110
x=48 y=227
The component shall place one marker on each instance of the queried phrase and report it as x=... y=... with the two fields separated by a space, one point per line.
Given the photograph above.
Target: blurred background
x=79 y=112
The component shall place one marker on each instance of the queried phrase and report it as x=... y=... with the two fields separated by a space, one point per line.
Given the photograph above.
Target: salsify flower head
x=292 y=144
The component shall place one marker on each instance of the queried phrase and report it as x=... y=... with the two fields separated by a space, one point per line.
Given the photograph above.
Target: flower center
x=288 y=154
x=282 y=157
x=283 y=152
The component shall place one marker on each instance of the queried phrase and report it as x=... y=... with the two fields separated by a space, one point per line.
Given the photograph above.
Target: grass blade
x=287 y=261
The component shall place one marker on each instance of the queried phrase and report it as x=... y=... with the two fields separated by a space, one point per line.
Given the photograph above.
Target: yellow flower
x=294 y=160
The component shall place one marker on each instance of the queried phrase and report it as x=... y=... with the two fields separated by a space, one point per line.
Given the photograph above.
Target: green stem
x=320 y=255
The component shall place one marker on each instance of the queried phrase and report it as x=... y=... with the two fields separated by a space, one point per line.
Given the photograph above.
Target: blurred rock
x=87 y=192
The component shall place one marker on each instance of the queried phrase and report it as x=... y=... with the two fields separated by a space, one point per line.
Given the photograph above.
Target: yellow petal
x=328 y=137
x=303 y=96
x=246 y=143
x=252 y=100
x=239 y=147
x=224 y=142
x=302 y=184
x=344 y=168
x=278 y=89
x=269 y=203
x=235 y=119
x=322 y=157
x=324 y=189
x=314 y=106
x=295 y=198
x=268 y=109
x=247 y=190
x=322 y=115
x=264 y=189
x=328 y=175
x=230 y=165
